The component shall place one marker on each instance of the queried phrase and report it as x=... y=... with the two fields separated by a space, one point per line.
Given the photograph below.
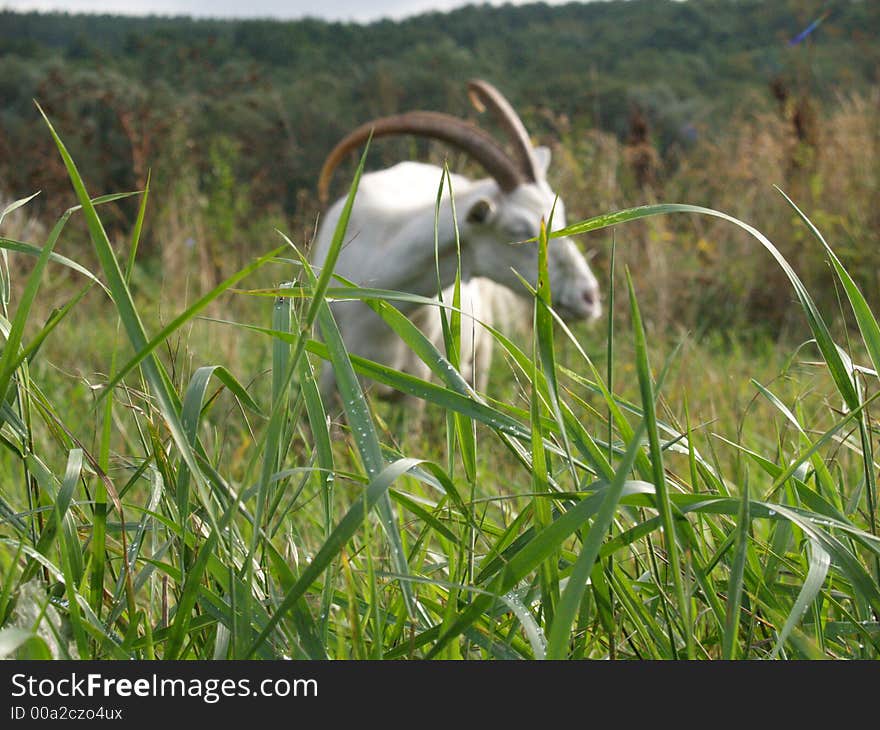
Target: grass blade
x=735 y=582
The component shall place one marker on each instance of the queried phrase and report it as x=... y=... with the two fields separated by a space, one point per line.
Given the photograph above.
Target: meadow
x=693 y=477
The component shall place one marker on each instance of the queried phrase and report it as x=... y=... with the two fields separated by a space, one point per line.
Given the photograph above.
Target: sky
x=357 y=10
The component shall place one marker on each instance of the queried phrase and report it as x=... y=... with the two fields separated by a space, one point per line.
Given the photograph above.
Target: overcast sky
x=360 y=10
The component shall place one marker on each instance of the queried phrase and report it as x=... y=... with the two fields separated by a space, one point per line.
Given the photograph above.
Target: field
x=722 y=511
x=691 y=477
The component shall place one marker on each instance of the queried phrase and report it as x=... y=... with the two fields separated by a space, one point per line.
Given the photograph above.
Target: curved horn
x=483 y=95
x=434 y=125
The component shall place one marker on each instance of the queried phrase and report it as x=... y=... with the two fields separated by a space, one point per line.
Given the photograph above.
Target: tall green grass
x=569 y=520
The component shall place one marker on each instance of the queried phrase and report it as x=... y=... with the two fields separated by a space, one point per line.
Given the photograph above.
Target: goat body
x=390 y=240
x=390 y=245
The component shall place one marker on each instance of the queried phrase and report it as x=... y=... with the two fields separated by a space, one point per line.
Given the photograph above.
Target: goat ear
x=479 y=211
x=542 y=157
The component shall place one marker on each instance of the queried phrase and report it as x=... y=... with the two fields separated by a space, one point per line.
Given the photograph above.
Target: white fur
x=390 y=245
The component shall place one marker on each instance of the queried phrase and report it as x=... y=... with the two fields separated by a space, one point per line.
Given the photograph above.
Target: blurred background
x=709 y=102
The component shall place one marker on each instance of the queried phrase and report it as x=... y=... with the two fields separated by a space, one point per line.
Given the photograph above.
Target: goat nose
x=589 y=296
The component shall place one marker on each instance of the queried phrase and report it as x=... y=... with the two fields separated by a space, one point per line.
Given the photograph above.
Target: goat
x=391 y=231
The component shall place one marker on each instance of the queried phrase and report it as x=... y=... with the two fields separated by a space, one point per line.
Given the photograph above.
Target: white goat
x=391 y=236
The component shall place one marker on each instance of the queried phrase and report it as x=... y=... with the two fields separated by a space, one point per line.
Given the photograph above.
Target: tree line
x=267 y=100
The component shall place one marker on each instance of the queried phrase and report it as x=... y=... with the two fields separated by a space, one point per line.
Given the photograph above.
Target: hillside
x=271 y=98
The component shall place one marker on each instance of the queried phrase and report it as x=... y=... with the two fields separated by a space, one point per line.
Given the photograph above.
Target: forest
x=236 y=117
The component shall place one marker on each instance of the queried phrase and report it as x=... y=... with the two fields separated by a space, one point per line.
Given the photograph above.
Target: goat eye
x=479 y=212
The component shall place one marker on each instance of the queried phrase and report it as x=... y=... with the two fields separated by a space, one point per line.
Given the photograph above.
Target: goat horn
x=434 y=125
x=483 y=95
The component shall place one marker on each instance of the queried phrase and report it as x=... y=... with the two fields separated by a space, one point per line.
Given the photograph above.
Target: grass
x=616 y=498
